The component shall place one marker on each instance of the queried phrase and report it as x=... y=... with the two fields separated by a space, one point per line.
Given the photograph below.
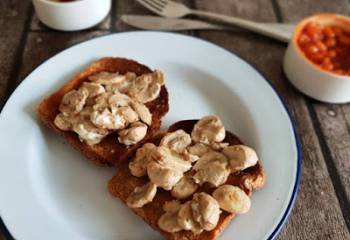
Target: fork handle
x=281 y=32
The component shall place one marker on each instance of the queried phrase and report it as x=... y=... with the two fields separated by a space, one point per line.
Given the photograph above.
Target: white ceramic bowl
x=71 y=16
x=310 y=78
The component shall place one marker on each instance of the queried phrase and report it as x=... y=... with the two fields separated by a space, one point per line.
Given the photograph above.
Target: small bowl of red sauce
x=317 y=60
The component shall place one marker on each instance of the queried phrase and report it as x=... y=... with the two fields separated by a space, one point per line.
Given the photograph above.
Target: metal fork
x=171 y=9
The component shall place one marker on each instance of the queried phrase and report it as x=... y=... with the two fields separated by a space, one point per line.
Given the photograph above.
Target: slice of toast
x=109 y=151
x=123 y=183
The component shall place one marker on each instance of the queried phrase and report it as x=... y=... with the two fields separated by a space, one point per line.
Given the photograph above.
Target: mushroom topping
x=146 y=87
x=232 y=199
x=138 y=166
x=167 y=167
x=143 y=112
x=128 y=114
x=218 y=146
x=118 y=99
x=62 y=122
x=208 y=129
x=199 y=149
x=168 y=222
x=240 y=157
x=184 y=188
x=132 y=135
x=105 y=119
x=73 y=102
x=142 y=195
x=122 y=86
x=177 y=141
x=185 y=219
x=88 y=132
x=205 y=210
x=212 y=168
x=92 y=89
x=106 y=78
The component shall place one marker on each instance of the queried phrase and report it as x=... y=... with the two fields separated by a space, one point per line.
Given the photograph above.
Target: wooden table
x=322 y=209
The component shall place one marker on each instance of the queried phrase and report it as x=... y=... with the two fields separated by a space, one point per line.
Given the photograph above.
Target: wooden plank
x=316 y=192
x=13 y=18
x=295 y=10
x=333 y=120
x=36 y=25
x=34 y=54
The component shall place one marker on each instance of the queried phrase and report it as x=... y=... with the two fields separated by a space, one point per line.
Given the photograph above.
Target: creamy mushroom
x=73 y=102
x=232 y=199
x=184 y=188
x=168 y=222
x=208 y=129
x=142 y=195
x=129 y=115
x=138 y=166
x=177 y=141
x=105 y=119
x=240 y=157
x=92 y=89
x=133 y=134
x=88 y=132
x=199 y=149
x=62 y=122
x=185 y=219
x=106 y=78
x=212 y=168
x=219 y=146
x=143 y=112
x=118 y=99
x=167 y=167
x=122 y=86
x=205 y=210
x=146 y=87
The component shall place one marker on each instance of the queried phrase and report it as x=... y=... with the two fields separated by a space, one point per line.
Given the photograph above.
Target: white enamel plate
x=49 y=191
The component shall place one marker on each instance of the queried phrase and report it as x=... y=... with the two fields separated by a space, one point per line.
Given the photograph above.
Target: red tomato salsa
x=326 y=46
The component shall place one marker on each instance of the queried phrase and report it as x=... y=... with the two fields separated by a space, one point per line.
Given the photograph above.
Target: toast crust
x=109 y=151
x=123 y=183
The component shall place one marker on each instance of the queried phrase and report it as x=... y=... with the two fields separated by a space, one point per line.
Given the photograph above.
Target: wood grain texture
x=317 y=208
x=13 y=17
x=295 y=10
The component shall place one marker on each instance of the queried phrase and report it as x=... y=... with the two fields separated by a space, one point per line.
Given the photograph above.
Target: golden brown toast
x=109 y=151
x=123 y=183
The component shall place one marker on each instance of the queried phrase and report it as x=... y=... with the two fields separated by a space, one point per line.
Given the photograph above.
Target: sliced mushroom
x=205 y=210
x=92 y=89
x=143 y=112
x=184 y=188
x=172 y=206
x=88 y=132
x=142 y=195
x=199 y=149
x=118 y=99
x=128 y=114
x=186 y=220
x=168 y=222
x=146 y=87
x=132 y=135
x=122 y=86
x=138 y=166
x=62 y=122
x=177 y=141
x=171 y=159
x=163 y=177
x=240 y=157
x=73 y=102
x=208 y=129
x=105 y=119
x=232 y=199
x=212 y=168
x=219 y=146
x=106 y=78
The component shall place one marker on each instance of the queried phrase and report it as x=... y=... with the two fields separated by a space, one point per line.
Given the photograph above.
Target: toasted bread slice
x=123 y=183
x=109 y=151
